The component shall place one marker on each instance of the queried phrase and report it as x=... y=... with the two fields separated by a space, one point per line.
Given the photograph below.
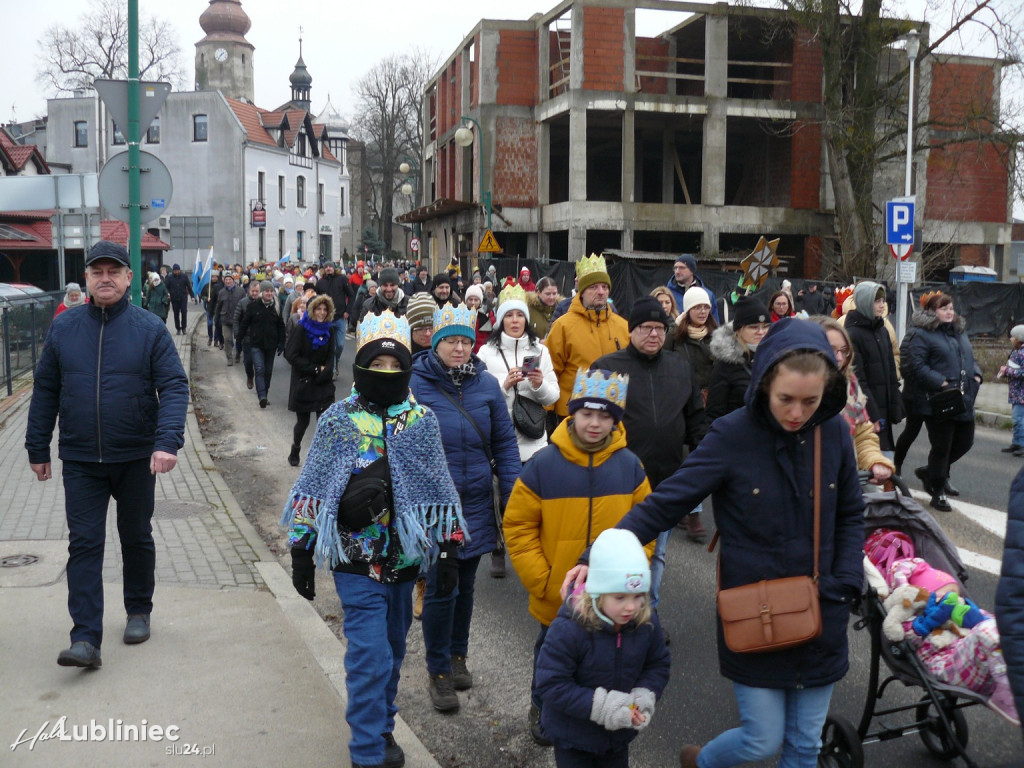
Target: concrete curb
x=326 y=648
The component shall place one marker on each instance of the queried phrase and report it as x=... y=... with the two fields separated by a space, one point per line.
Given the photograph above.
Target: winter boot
x=442 y=693
x=293 y=457
x=394 y=755
x=694 y=528
x=462 y=678
x=536 y=730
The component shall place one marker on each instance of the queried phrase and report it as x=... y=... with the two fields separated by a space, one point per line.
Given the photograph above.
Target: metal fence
x=23 y=326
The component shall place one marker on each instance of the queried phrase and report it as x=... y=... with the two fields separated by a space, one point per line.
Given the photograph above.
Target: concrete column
x=577 y=147
x=716 y=45
x=629 y=155
x=577 y=242
x=668 y=166
x=544 y=63
x=576 y=52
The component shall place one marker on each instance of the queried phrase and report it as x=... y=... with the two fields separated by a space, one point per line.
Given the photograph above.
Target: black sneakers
x=442 y=694
x=80 y=654
x=941 y=503
x=394 y=756
x=462 y=678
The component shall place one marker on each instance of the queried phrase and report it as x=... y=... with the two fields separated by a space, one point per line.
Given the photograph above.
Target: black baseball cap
x=105 y=249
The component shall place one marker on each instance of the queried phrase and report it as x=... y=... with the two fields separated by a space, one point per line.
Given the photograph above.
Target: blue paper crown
x=601 y=386
x=386 y=325
x=454 y=321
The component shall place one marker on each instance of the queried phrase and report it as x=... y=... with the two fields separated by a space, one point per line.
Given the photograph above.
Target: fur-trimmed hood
x=726 y=347
x=929 y=321
x=533 y=302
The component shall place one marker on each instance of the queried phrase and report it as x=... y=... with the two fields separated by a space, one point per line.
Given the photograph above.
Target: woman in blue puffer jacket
x=471 y=409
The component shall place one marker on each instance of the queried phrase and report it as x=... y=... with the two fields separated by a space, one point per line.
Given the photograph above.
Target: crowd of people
x=493 y=417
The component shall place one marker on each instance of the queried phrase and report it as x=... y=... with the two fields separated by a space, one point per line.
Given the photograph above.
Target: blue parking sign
x=899 y=222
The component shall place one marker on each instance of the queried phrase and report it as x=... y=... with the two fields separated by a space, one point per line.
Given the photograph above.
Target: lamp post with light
x=411 y=171
x=464 y=138
x=913 y=47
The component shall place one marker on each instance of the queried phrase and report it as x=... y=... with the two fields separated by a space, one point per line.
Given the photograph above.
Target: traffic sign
x=154 y=185
x=908 y=272
x=899 y=221
x=414 y=245
x=114 y=94
x=489 y=244
x=901 y=252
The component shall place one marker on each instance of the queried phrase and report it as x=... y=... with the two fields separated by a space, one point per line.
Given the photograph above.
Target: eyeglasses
x=652 y=330
x=456 y=341
x=841 y=351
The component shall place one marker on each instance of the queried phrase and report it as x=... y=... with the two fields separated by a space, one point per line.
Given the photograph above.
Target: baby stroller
x=937 y=716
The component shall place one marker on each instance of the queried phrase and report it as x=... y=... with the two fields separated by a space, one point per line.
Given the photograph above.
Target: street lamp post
x=412 y=190
x=913 y=47
x=464 y=138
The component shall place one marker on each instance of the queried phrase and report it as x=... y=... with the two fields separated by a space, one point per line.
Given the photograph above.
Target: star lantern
x=760 y=263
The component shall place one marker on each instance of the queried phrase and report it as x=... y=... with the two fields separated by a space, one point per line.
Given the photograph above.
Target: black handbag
x=947 y=403
x=367 y=497
x=528 y=416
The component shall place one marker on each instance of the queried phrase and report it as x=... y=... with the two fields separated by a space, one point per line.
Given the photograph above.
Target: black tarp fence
x=991 y=309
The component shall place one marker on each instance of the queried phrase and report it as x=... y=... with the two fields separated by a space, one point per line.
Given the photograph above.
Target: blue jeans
x=250 y=369
x=340 y=329
x=1018 y=424
x=88 y=488
x=263 y=367
x=372 y=611
x=772 y=718
x=658 y=565
x=446 y=620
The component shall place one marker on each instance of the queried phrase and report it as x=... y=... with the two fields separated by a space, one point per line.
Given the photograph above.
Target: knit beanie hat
x=475 y=290
x=453 y=321
x=618 y=564
x=591 y=270
x=383 y=334
x=647 y=309
x=599 y=390
x=388 y=275
x=748 y=311
x=441 y=278
x=420 y=310
x=695 y=296
x=512 y=297
x=689 y=260
x=266 y=285
x=1017 y=332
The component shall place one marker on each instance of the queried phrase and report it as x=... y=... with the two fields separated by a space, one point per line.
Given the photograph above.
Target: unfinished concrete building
x=649 y=126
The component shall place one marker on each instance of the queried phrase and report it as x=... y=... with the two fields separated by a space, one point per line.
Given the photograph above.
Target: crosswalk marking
x=992 y=520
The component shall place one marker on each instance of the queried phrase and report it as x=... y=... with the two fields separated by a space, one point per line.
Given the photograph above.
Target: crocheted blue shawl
x=426 y=504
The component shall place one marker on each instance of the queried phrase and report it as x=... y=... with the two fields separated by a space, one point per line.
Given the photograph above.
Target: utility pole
x=134 y=187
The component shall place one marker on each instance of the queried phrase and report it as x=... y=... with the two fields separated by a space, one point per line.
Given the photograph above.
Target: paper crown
x=512 y=293
x=926 y=297
x=589 y=264
x=599 y=390
x=453 y=321
x=842 y=294
x=383 y=326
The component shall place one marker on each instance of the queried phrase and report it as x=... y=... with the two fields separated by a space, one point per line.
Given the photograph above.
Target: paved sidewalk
x=238 y=663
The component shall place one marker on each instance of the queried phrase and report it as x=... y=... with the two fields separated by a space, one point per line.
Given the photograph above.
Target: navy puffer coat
x=481 y=397
x=574 y=662
x=1010 y=593
x=116 y=381
x=939 y=352
x=766 y=517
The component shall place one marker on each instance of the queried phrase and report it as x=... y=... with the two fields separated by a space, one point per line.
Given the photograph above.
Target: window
x=342 y=194
x=261 y=186
x=302 y=144
x=118 y=137
x=190 y=233
x=153 y=132
x=262 y=235
x=280 y=191
x=200 y=128
x=280 y=243
x=81 y=133
x=299 y=238
x=320 y=199
x=300 y=191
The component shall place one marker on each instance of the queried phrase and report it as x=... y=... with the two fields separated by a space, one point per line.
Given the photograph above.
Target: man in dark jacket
x=263 y=329
x=421 y=283
x=664 y=410
x=1010 y=592
x=812 y=301
x=389 y=296
x=227 y=301
x=179 y=287
x=241 y=342
x=684 y=277
x=336 y=285
x=110 y=370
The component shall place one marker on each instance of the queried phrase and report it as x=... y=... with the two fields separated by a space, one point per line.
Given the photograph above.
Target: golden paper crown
x=589 y=264
x=386 y=325
x=926 y=297
x=512 y=293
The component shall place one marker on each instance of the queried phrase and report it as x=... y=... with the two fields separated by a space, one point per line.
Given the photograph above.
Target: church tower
x=301 y=82
x=224 y=56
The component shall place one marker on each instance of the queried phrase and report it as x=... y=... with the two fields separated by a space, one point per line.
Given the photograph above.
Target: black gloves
x=447 y=570
x=304 y=573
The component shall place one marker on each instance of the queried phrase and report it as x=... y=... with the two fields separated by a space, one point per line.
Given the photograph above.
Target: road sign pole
x=134 y=191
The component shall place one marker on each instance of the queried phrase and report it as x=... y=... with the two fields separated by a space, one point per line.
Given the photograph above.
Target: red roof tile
x=19 y=154
x=40 y=232
x=117 y=232
x=249 y=116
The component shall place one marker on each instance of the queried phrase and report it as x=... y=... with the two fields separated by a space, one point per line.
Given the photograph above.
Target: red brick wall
x=812 y=257
x=974 y=255
x=648 y=46
x=517 y=67
x=967 y=182
x=961 y=96
x=515 y=166
x=806 y=67
x=805 y=168
x=604 y=37
x=449 y=88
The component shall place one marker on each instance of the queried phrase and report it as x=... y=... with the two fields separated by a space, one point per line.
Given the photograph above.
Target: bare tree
x=865 y=101
x=96 y=46
x=389 y=101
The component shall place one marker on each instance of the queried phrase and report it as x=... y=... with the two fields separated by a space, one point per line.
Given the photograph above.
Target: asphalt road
x=250 y=446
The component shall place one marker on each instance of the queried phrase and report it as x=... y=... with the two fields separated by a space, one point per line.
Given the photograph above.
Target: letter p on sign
x=899 y=222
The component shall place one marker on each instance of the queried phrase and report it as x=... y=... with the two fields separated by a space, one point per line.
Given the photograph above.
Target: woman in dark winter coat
x=766 y=522
x=733 y=346
x=470 y=406
x=1010 y=592
x=941 y=357
x=873 y=360
x=309 y=350
x=692 y=338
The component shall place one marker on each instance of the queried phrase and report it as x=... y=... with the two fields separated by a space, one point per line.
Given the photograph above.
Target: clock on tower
x=220 y=54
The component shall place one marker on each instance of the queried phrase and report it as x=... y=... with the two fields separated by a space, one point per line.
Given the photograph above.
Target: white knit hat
x=618 y=564
x=695 y=296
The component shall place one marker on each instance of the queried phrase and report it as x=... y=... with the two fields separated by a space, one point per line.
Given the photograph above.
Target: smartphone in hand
x=530 y=364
